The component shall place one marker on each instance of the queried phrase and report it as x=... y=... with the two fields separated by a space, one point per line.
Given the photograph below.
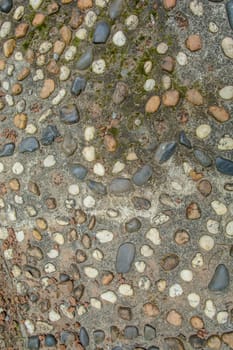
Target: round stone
x=140 y=266
x=166 y=81
x=182 y=59
x=89 y=202
x=175 y=290
x=226 y=92
x=131 y=22
x=203 y=131
x=99 y=66
x=109 y=296
x=206 y=242
x=213 y=28
x=147 y=67
x=146 y=250
x=49 y=268
x=186 y=275
x=144 y=283
x=227 y=46
x=229 y=229
x=98 y=169
x=154 y=236
x=91 y=272
x=222 y=317
x=219 y=207
x=58 y=238
x=89 y=153
x=119 y=38
x=162 y=48
x=18 y=168
x=194 y=299
x=81 y=34
x=49 y=161
x=90 y=19
x=73 y=189
x=210 y=309
x=89 y=133
x=212 y=226
x=126 y=290
x=149 y=85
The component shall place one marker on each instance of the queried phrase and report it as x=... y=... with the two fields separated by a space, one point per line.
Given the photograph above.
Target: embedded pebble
x=206 y=242
x=119 y=39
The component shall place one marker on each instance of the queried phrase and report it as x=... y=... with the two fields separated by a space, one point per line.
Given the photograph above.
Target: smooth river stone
x=224 y=166
x=131 y=332
x=120 y=186
x=116 y=8
x=33 y=342
x=133 y=225
x=49 y=134
x=84 y=337
x=78 y=86
x=229 y=9
x=184 y=140
x=125 y=257
x=79 y=171
x=29 y=144
x=202 y=158
x=165 y=151
x=7 y=150
x=85 y=60
x=142 y=175
x=220 y=279
x=97 y=187
x=6 y=5
x=101 y=33
x=69 y=114
x=149 y=332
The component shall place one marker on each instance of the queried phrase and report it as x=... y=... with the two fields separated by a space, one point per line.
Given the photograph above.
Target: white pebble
x=81 y=310
x=98 y=169
x=147 y=67
x=210 y=309
x=109 y=296
x=125 y=289
x=225 y=143
x=90 y=19
x=29 y=326
x=149 y=85
x=89 y=202
x=140 y=266
x=49 y=268
x=70 y=53
x=104 y=236
x=119 y=38
x=161 y=285
x=18 y=168
x=9 y=100
x=19 y=236
x=64 y=73
x=18 y=56
x=89 y=133
x=35 y=4
x=213 y=28
x=118 y=167
x=229 y=229
x=146 y=250
x=81 y=34
x=112 y=213
x=19 y=12
x=154 y=236
x=176 y=186
x=73 y=189
x=53 y=253
x=162 y=48
x=196 y=8
x=89 y=153
x=5 y=29
x=203 y=131
x=90 y=272
x=197 y=261
x=39 y=75
x=95 y=303
x=175 y=290
x=31 y=129
x=1 y=167
x=98 y=255
x=58 y=238
x=186 y=275
x=222 y=317
x=2 y=203
x=166 y=81
x=8 y=254
x=182 y=59
x=3 y=233
x=131 y=22
x=212 y=226
x=194 y=299
x=49 y=161
x=45 y=47
x=226 y=92
x=144 y=283
x=160 y=219
x=219 y=207
x=98 y=66
x=40 y=61
x=16 y=271
x=57 y=99
x=206 y=242
x=101 y=3
x=54 y=316
x=5 y=85
x=227 y=46
x=10 y=69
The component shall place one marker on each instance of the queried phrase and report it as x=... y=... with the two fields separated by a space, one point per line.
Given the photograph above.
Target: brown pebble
x=110 y=143
x=21 y=30
x=81 y=256
x=37 y=235
x=150 y=309
x=76 y=19
x=14 y=184
x=86 y=241
x=59 y=47
x=52 y=8
x=2 y=105
x=33 y=188
x=84 y=4
x=66 y=1
x=51 y=203
x=194 y=97
x=120 y=93
x=174 y=318
x=16 y=89
x=227 y=338
x=214 y=342
x=204 y=187
x=172 y=343
x=38 y=19
x=80 y=216
x=196 y=322
x=66 y=35
x=195 y=175
x=125 y=313
x=8 y=47
x=20 y=121
x=53 y=67
x=92 y=222
x=193 y=43
x=219 y=113
x=169 y=4
x=24 y=73
x=2 y=64
x=168 y=64
x=193 y=211
x=41 y=224
x=47 y=89
x=170 y=262
x=107 y=278
x=171 y=98
x=29 y=56
x=152 y=104
x=181 y=237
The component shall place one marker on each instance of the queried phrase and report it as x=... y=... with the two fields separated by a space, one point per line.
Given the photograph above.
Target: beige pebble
x=174 y=318
x=203 y=131
x=219 y=207
x=47 y=89
x=206 y=242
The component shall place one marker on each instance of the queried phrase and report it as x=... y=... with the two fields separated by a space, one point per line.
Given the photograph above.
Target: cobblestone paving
x=116 y=165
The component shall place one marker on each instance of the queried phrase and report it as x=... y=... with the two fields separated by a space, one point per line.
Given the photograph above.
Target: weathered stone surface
x=125 y=257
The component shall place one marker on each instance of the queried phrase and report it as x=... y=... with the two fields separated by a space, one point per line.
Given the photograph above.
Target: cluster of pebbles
x=116 y=214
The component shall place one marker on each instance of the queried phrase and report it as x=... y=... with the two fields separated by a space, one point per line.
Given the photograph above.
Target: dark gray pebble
x=130 y=332
x=99 y=336
x=49 y=134
x=69 y=144
x=125 y=257
x=33 y=342
x=7 y=150
x=50 y=340
x=78 y=86
x=29 y=144
x=202 y=158
x=69 y=114
x=115 y=8
x=142 y=175
x=184 y=140
x=67 y=338
x=6 y=5
x=133 y=225
x=84 y=337
x=220 y=279
x=229 y=9
x=85 y=60
x=165 y=151
x=63 y=277
x=101 y=34
x=149 y=332
x=79 y=171
x=224 y=166
x=196 y=342
x=141 y=203
x=97 y=187
x=120 y=186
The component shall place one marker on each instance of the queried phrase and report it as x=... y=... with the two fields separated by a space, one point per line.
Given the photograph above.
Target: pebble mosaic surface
x=116 y=165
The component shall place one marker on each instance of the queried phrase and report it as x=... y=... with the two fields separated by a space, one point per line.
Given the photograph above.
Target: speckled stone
x=165 y=151
x=125 y=257
x=220 y=280
x=49 y=134
x=29 y=144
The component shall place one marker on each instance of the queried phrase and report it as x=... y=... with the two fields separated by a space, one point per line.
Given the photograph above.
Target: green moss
x=113 y=131
x=76 y=42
